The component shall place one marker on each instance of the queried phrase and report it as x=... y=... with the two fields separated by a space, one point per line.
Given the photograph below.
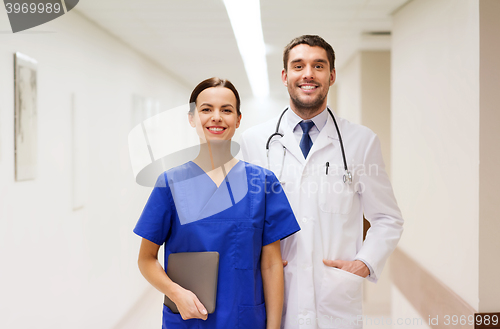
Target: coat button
x=304 y=220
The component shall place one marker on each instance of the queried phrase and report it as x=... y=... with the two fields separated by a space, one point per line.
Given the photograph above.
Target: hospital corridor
x=95 y=107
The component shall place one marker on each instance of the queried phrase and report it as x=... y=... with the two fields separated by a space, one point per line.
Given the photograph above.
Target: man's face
x=308 y=78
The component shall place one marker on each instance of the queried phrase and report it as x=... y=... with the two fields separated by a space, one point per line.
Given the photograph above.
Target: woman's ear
x=191 y=119
x=238 y=121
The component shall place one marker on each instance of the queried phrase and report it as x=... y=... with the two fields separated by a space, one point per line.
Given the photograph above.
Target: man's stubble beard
x=306 y=109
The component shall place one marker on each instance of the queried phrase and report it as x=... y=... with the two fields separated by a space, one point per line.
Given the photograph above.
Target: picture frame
x=25 y=117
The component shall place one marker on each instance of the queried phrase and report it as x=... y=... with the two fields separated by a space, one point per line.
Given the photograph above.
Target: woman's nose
x=216 y=116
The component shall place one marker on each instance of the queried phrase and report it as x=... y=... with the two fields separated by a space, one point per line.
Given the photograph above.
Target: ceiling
x=193 y=39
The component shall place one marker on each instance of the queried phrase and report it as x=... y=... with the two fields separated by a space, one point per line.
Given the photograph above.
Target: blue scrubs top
x=189 y=213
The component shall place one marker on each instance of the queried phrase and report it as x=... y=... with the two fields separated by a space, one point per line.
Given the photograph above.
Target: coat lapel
x=290 y=143
x=326 y=136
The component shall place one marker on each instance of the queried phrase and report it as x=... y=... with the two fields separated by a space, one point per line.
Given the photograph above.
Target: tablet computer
x=197 y=272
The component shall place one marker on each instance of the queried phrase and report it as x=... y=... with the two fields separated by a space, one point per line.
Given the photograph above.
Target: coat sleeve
x=380 y=209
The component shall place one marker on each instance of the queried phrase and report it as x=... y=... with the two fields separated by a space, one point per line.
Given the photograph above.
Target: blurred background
x=423 y=74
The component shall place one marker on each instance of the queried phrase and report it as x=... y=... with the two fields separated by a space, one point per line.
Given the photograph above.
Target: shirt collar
x=319 y=120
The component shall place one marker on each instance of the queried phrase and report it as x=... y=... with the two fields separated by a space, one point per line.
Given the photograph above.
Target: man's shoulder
x=253 y=141
x=261 y=129
x=348 y=128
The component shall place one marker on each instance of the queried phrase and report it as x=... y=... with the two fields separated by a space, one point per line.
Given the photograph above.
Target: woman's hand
x=188 y=304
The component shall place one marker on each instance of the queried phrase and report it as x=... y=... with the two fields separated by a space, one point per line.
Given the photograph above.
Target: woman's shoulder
x=180 y=173
x=256 y=170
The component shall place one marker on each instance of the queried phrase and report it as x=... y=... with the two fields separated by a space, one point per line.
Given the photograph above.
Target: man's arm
x=380 y=209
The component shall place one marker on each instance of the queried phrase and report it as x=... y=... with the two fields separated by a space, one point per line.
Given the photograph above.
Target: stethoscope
x=347 y=175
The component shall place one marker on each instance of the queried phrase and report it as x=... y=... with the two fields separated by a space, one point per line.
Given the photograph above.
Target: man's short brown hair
x=311 y=41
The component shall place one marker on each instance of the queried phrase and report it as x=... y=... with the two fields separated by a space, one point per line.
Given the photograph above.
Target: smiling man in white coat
x=332 y=172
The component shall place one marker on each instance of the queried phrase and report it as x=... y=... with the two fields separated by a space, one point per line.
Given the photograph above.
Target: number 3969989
x=32 y=8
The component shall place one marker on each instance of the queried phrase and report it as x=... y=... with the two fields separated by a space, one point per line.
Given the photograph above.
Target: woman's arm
x=187 y=303
x=272 y=278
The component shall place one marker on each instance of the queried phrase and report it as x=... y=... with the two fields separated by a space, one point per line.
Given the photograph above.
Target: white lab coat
x=330 y=214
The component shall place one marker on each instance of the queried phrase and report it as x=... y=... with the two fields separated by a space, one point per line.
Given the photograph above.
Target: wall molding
x=428 y=295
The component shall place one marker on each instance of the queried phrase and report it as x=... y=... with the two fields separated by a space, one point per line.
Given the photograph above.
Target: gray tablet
x=197 y=272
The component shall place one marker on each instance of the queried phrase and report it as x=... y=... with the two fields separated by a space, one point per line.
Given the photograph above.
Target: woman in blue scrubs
x=217 y=203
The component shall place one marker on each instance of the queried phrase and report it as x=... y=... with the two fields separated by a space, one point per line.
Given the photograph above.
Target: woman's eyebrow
x=206 y=104
x=226 y=105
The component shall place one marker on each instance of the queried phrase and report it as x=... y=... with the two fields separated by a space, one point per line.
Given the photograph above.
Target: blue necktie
x=306 y=142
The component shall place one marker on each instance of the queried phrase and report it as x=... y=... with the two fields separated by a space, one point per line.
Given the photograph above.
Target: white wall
x=376 y=98
x=63 y=268
x=435 y=137
x=349 y=90
x=258 y=110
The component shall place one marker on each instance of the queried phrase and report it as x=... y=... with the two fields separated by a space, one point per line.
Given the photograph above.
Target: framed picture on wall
x=26 y=128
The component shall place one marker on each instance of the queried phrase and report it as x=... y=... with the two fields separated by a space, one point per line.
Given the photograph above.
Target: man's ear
x=284 y=78
x=333 y=76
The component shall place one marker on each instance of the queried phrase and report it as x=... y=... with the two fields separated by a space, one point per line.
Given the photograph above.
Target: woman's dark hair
x=209 y=83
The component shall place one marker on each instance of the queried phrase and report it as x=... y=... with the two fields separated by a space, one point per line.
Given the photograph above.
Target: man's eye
x=298 y=67
x=319 y=66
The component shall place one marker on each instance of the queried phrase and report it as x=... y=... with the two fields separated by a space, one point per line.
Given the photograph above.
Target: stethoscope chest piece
x=347 y=177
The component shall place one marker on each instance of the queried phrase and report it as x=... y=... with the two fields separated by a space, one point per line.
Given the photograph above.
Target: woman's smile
x=216 y=129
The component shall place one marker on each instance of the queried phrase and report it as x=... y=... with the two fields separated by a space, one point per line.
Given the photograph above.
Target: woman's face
x=215 y=117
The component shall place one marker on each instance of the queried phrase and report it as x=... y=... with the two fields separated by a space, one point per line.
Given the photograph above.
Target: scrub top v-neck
x=187 y=212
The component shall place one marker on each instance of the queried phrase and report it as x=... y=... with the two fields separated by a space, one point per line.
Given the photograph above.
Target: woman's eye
x=228 y=111
x=205 y=110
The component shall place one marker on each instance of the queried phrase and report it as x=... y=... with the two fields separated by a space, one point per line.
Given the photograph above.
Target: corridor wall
x=64 y=267
x=435 y=142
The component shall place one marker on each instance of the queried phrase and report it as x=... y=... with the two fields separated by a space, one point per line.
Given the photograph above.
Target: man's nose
x=308 y=72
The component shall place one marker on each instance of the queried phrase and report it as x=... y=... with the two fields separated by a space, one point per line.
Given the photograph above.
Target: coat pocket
x=252 y=317
x=335 y=196
x=340 y=300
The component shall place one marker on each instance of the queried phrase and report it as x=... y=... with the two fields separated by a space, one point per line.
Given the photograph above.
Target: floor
x=376 y=316
x=147 y=313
